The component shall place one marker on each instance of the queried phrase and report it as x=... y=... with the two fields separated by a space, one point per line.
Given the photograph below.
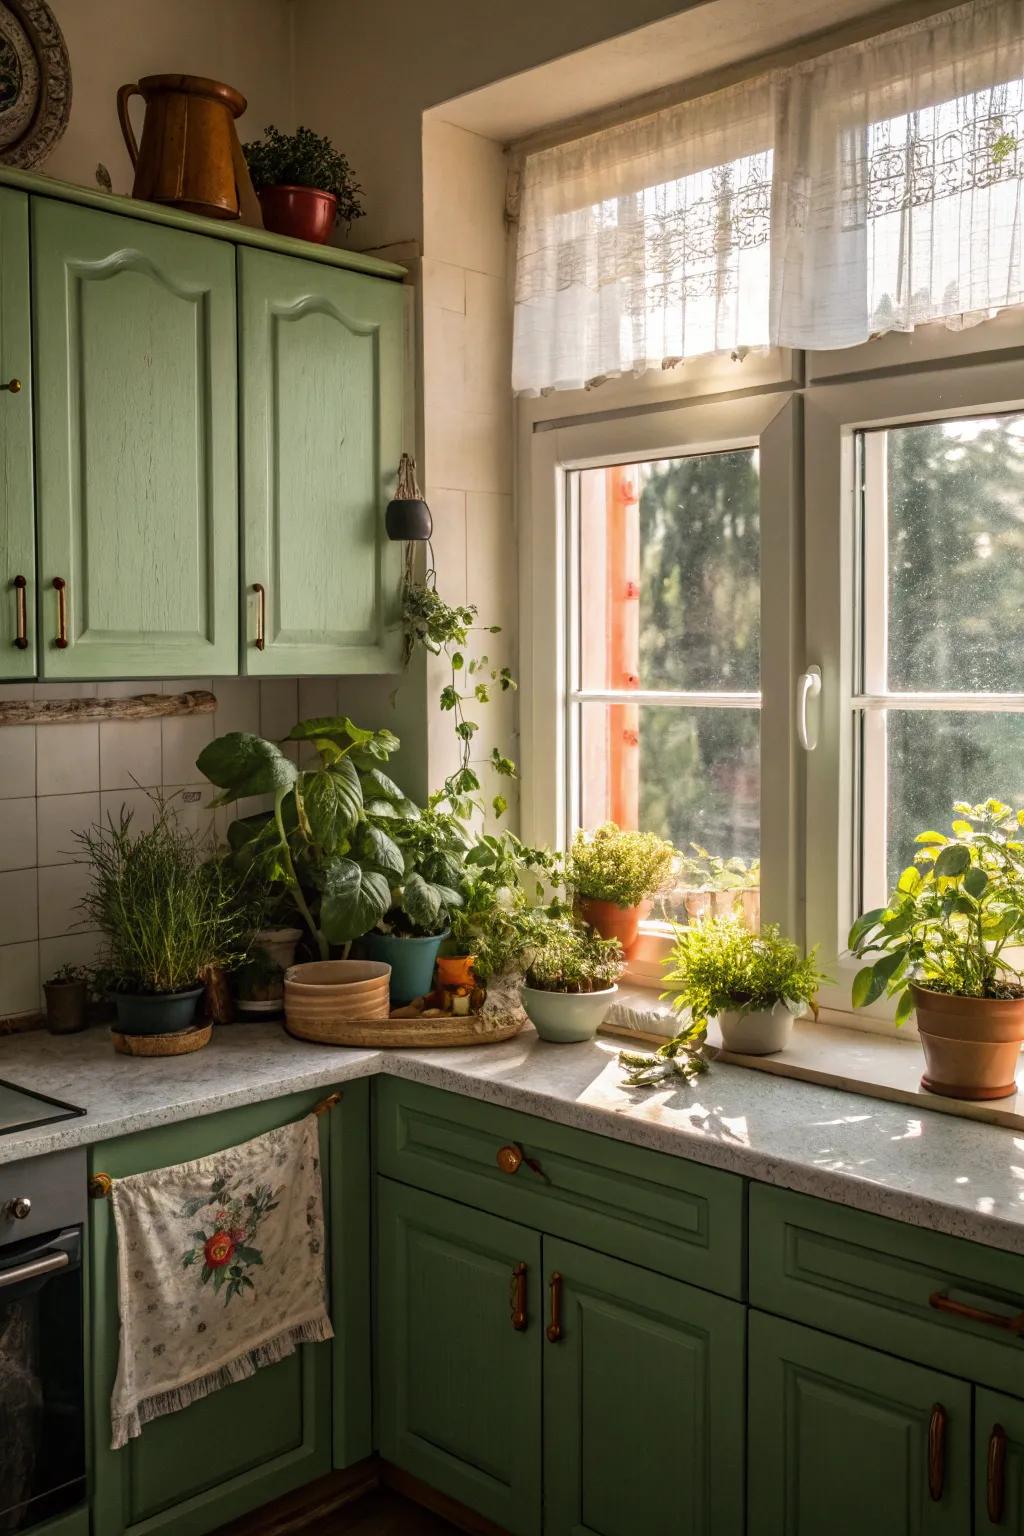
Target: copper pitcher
x=189 y=155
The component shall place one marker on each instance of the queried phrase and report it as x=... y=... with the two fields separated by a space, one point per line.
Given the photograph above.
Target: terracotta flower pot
x=455 y=971
x=971 y=1044
x=611 y=921
x=302 y=212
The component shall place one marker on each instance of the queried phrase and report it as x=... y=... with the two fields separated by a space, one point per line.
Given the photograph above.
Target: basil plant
x=340 y=838
x=953 y=915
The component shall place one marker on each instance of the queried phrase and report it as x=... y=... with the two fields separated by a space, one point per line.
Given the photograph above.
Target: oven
x=42 y=1387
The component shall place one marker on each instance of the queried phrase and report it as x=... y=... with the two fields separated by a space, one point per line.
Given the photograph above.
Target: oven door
x=42 y=1410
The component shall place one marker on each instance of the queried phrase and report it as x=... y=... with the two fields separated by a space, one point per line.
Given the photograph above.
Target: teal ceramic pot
x=412 y=963
x=566 y=1018
x=156 y=1013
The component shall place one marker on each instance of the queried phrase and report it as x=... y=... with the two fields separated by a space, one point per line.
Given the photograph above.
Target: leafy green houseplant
x=409 y=935
x=612 y=872
x=171 y=917
x=943 y=944
x=570 y=981
x=303 y=183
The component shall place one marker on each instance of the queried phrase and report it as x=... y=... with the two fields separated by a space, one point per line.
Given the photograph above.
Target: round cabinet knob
x=13 y=385
x=19 y=1207
x=509 y=1159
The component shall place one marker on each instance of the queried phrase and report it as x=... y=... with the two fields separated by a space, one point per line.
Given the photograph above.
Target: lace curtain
x=874 y=188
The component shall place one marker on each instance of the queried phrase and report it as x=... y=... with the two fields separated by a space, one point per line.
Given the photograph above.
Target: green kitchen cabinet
x=459 y=1334
x=17 y=503
x=191 y=1471
x=137 y=446
x=845 y=1440
x=643 y=1402
x=998 y=1464
x=322 y=354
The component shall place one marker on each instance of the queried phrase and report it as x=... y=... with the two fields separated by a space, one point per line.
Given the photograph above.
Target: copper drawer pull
x=510 y=1158
x=60 y=587
x=261 y=615
x=21 y=608
x=554 y=1329
x=936 y=1452
x=995 y=1493
x=943 y=1303
x=13 y=386
x=519 y=1298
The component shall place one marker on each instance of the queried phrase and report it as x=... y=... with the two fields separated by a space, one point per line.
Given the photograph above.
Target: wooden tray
x=413 y=1034
x=180 y=1044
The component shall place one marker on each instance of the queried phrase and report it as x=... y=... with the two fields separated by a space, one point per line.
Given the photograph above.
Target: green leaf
x=334 y=802
x=377 y=786
x=863 y=926
x=354 y=900
x=421 y=902
x=909 y=880
x=247 y=1255
x=952 y=861
x=975 y=882
x=499 y=805
x=905 y=1007
x=930 y=837
x=241 y=764
x=871 y=982
x=379 y=852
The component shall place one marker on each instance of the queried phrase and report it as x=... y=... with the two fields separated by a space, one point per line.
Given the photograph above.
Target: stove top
x=21 y=1109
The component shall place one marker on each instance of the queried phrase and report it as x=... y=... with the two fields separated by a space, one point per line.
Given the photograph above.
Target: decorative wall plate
x=35 y=82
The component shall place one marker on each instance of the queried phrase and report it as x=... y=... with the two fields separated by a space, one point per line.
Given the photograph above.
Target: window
x=939 y=700
x=663 y=728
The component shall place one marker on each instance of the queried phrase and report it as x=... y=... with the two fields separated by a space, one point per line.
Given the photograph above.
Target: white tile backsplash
x=61 y=888
x=184 y=737
x=279 y=706
x=130 y=753
x=19 y=979
x=19 y=912
x=67 y=949
x=67 y=758
x=58 y=818
x=17 y=761
x=238 y=705
x=17 y=834
x=139 y=801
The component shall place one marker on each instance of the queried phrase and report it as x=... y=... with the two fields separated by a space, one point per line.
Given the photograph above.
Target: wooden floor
x=382 y=1513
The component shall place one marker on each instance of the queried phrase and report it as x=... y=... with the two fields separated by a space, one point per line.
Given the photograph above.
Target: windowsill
x=881 y=1066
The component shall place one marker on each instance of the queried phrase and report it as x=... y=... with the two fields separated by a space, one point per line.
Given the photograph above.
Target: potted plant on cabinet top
x=303 y=183
x=171 y=917
x=612 y=873
x=755 y=985
x=942 y=943
x=571 y=981
x=66 y=998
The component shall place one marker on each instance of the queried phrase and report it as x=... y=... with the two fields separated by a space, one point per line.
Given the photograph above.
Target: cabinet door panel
x=459 y=1386
x=136 y=373
x=17 y=504
x=839 y=1438
x=998 y=1464
x=322 y=364
x=191 y=1471
x=643 y=1403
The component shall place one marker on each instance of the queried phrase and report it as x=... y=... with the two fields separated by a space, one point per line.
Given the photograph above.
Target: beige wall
x=243 y=42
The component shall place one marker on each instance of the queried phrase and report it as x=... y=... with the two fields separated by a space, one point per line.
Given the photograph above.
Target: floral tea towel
x=220 y=1269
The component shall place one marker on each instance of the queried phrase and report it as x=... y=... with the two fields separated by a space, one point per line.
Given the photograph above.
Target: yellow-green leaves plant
x=625 y=868
x=953 y=915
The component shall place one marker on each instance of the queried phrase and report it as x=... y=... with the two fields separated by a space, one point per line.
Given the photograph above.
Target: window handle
x=807 y=688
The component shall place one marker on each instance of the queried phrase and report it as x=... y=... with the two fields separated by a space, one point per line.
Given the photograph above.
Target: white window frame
x=769 y=421
x=834 y=415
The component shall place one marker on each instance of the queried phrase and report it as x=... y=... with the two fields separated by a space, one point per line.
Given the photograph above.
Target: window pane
x=690 y=775
x=936 y=757
x=669 y=574
x=955 y=552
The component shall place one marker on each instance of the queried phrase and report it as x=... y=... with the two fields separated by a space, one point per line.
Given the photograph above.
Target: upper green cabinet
x=136 y=432
x=17 y=507
x=321 y=367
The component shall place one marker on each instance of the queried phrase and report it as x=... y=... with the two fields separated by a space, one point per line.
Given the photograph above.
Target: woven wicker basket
x=180 y=1044
x=413 y=1034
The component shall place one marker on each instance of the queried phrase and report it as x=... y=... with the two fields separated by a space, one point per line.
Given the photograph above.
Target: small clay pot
x=611 y=921
x=65 y=1006
x=302 y=212
x=455 y=971
x=971 y=1044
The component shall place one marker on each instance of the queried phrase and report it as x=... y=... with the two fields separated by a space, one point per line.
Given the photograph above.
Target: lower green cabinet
x=846 y=1441
x=643 y=1402
x=191 y=1471
x=459 y=1341
x=998 y=1464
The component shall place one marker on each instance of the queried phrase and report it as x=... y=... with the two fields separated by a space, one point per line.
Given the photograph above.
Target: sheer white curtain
x=873 y=188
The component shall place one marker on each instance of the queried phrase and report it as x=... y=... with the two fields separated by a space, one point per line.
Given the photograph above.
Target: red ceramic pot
x=302 y=212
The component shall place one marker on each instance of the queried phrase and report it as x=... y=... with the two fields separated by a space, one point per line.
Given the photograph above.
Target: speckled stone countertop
x=931 y=1170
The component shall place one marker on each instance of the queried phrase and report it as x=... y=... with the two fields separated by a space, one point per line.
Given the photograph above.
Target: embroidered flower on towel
x=228 y=1252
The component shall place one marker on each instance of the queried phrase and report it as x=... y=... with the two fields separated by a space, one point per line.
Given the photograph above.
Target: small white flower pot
x=756 y=1033
x=567 y=1017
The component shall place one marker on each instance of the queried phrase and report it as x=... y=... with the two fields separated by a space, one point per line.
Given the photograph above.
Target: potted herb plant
x=612 y=874
x=171 y=918
x=942 y=944
x=66 y=993
x=501 y=873
x=755 y=985
x=571 y=981
x=303 y=183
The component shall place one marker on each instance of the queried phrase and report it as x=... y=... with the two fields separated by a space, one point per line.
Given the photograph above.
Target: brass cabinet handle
x=261 y=615
x=510 y=1159
x=554 y=1329
x=936 y=1452
x=13 y=385
x=21 y=609
x=995 y=1493
x=519 y=1298
x=60 y=587
x=943 y=1303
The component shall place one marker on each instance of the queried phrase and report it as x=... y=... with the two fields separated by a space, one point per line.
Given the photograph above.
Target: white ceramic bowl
x=567 y=1017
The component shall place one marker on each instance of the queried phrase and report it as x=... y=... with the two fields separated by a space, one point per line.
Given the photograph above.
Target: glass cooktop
x=21 y=1109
